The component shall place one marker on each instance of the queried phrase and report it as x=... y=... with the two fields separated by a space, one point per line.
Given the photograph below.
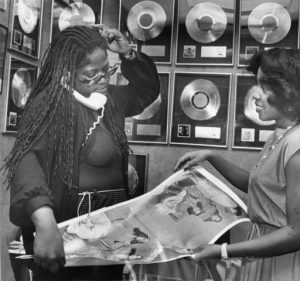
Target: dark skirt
x=87 y=202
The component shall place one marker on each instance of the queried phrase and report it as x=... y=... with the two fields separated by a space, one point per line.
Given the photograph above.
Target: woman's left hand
x=209 y=251
x=117 y=43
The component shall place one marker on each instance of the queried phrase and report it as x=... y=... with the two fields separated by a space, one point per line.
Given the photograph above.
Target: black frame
x=246 y=133
x=13 y=111
x=58 y=6
x=139 y=162
x=26 y=42
x=3 y=48
x=214 y=129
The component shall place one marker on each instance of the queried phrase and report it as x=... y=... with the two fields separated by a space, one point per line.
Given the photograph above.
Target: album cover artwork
x=26 y=29
x=200 y=109
x=205 y=32
x=151 y=125
x=266 y=25
x=67 y=13
x=21 y=79
x=250 y=132
x=149 y=25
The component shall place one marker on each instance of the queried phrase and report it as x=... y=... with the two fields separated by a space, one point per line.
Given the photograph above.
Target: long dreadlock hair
x=56 y=107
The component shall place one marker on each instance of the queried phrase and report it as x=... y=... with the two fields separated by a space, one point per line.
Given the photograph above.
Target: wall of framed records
x=22 y=75
x=137 y=173
x=151 y=125
x=249 y=131
x=206 y=30
x=68 y=13
x=267 y=24
x=149 y=26
x=26 y=28
x=3 y=44
x=200 y=109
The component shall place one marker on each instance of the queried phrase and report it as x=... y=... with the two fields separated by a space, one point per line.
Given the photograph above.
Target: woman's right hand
x=48 y=243
x=193 y=158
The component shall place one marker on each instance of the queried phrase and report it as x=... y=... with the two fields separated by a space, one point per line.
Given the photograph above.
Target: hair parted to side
x=281 y=69
x=59 y=109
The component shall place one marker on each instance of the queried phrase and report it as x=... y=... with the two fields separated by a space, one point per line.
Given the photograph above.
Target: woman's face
x=265 y=110
x=92 y=74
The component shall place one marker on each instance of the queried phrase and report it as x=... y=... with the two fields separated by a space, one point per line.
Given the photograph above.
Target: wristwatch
x=130 y=55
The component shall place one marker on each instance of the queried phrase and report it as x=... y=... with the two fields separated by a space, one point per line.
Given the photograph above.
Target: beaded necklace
x=273 y=145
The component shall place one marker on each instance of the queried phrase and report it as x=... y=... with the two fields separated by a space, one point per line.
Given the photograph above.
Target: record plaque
x=69 y=13
x=206 y=28
x=21 y=78
x=267 y=24
x=250 y=132
x=149 y=25
x=26 y=29
x=200 y=109
x=151 y=125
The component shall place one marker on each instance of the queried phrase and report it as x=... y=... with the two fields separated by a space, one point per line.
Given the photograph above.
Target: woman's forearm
x=279 y=242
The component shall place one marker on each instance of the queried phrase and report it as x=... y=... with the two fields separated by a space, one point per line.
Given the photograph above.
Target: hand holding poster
x=188 y=209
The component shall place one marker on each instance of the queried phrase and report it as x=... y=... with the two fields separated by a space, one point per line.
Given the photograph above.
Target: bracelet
x=224 y=254
x=130 y=54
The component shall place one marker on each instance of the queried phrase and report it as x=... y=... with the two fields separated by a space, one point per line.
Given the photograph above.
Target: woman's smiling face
x=265 y=110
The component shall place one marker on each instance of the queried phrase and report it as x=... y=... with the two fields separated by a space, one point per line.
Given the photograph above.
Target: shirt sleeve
x=143 y=87
x=29 y=188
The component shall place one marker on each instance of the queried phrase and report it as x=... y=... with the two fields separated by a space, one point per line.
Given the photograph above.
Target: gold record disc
x=76 y=13
x=146 y=20
x=150 y=110
x=269 y=23
x=200 y=100
x=21 y=87
x=250 y=108
x=206 y=22
x=27 y=15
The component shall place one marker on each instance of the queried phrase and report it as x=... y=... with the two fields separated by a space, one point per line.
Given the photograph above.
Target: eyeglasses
x=100 y=75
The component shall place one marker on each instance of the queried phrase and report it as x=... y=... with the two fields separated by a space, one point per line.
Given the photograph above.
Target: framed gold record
x=67 y=13
x=149 y=25
x=26 y=27
x=22 y=76
x=151 y=125
x=249 y=131
x=267 y=24
x=207 y=28
x=200 y=109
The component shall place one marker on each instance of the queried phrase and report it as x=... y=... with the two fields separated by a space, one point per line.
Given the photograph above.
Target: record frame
x=58 y=6
x=155 y=128
x=111 y=13
x=248 y=45
x=205 y=53
x=140 y=162
x=12 y=111
x=212 y=132
x=26 y=43
x=3 y=44
x=159 y=48
x=246 y=133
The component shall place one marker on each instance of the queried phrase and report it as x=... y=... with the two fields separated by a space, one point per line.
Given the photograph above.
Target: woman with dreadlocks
x=71 y=154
